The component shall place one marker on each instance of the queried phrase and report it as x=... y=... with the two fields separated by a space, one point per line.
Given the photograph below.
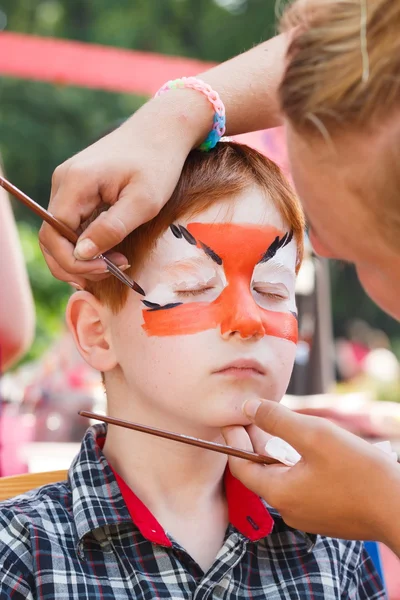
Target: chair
x=19 y=484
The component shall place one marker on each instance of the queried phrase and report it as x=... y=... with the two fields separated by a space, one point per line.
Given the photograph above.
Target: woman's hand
x=342 y=487
x=134 y=170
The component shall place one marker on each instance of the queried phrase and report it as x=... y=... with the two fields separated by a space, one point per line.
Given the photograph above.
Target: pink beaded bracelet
x=218 y=128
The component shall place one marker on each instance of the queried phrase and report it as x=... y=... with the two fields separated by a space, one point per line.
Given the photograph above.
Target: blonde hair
x=343 y=74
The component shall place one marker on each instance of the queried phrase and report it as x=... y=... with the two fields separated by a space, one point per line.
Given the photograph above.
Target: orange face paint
x=240 y=247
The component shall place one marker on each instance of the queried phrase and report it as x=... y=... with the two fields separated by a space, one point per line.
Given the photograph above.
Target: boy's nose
x=243 y=320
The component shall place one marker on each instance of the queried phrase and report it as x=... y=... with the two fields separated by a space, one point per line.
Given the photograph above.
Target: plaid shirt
x=91 y=538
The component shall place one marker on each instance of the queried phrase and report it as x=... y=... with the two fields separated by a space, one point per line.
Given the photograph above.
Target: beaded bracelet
x=218 y=128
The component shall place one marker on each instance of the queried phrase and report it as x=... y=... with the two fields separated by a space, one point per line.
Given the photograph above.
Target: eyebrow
x=185 y=265
x=210 y=252
x=282 y=268
x=276 y=245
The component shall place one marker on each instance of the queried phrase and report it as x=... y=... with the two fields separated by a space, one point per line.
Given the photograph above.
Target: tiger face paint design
x=249 y=287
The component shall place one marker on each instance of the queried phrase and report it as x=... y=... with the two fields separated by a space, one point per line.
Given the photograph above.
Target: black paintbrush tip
x=136 y=287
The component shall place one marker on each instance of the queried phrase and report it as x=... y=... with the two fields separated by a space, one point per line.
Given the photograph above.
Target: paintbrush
x=66 y=232
x=184 y=439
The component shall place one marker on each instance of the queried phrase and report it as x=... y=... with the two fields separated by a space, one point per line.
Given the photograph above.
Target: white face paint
x=190 y=276
x=274 y=281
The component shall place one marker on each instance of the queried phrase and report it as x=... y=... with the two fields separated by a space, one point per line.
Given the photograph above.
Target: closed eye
x=193 y=292
x=270 y=295
x=277 y=295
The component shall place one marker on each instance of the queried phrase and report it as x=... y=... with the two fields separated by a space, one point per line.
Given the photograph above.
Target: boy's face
x=219 y=326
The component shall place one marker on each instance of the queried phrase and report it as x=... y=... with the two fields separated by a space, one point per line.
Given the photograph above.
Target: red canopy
x=90 y=65
x=66 y=62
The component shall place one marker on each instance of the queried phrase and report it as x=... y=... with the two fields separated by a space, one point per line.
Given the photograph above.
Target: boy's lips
x=244 y=367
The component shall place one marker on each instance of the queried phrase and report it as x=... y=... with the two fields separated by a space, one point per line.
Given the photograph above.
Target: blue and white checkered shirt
x=91 y=538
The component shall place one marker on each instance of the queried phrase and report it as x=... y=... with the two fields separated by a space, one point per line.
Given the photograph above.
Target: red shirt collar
x=247 y=512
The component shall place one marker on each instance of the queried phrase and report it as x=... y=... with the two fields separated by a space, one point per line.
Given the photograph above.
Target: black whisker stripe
x=166 y=306
x=153 y=306
x=213 y=255
x=283 y=240
x=289 y=238
x=271 y=251
x=175 y=230
x=275 y=246
x=187 y=235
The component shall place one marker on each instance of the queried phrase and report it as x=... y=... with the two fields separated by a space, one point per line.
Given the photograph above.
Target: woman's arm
x=17 y=312
x=248 y=85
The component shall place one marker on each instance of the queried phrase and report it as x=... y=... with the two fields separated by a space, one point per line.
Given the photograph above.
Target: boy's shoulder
x=37 y=509
x=37 y=499
x=38 y=513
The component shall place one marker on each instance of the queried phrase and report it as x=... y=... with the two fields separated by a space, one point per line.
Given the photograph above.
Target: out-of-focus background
x=69 y=72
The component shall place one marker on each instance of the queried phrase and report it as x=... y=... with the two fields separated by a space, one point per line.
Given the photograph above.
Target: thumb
x=277 y=420
x=111 y=226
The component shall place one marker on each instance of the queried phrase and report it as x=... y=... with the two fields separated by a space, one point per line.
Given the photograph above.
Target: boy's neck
x=181 y=485
x=166 y=475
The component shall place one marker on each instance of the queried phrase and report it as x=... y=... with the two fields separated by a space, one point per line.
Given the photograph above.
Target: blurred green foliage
x=42 y=125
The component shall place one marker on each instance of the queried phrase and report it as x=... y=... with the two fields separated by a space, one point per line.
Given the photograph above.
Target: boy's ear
x=88 y=322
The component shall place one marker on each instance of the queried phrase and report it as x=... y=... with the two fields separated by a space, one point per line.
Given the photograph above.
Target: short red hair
x=207 y=178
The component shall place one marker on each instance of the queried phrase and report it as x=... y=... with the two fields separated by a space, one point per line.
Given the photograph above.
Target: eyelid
x=194 y=292
x=195 y=282
x=271 y=284
x=194 y=288
x=271 y=287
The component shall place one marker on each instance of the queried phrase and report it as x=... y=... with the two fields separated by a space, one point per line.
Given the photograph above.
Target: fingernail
x=75 y=285
x=250 y=407
x=85 y=249
x=124 y=267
